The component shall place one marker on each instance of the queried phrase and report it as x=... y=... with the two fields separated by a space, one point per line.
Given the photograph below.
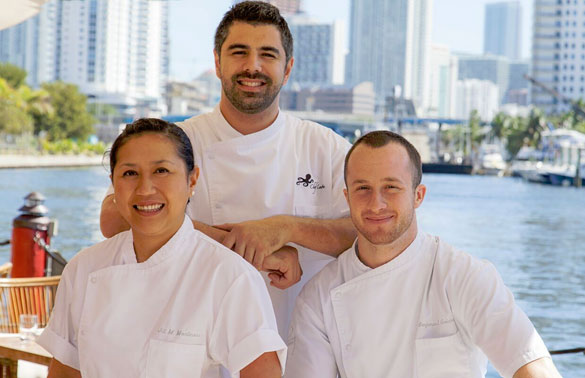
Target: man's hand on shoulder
x=111 y=222
x=257 y=239
x=283 y=267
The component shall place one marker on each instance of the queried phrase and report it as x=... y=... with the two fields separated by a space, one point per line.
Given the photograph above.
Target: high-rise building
x=443 y=76
x=318 y=51
x=389 y=43
x=502 y=29
x=31 y=45
x=480 y=95
x=493 y=68
x=116 y=52
x=286 y=7
x=518 y=85
x=558 y=53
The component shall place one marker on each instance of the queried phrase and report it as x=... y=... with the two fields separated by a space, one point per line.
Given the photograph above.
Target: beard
x=250 y=102
x=383 y=235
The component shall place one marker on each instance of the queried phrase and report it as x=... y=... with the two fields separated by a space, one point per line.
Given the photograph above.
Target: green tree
x=70 y=118
x=13 y=75
x=14 y=105
x=526 y=131
x=501 y=125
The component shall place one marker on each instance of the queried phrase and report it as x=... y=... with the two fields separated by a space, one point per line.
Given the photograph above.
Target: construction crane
x=579 y=111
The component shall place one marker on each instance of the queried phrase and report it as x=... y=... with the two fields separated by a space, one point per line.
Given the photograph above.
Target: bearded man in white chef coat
x=402 y=303
x=267 y=179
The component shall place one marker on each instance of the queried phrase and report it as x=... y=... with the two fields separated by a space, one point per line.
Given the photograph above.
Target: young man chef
x=267 y=177
x=402 y=303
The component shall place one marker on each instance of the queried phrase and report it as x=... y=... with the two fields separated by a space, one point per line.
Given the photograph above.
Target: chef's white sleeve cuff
x=60 y=348
x=253 y=346
x=523 y=359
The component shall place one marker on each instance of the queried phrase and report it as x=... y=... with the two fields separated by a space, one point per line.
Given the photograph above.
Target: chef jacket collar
x=169 y=249
x=411 y=252
x=225 y=131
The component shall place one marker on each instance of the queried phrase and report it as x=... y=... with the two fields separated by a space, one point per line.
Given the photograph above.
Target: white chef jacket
x=190 y=307
x=431 y=312
x=292 y=167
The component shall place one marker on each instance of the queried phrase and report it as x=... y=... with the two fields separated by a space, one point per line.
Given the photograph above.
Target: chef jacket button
x=82 y=332
x=337 y=295
x=210 y=156
x=218 y=205
x=93 y=280
x=348 y=347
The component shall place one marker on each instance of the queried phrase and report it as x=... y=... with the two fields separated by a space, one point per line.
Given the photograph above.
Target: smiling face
x=252 y=67
x=151 y=187
x=381 y=196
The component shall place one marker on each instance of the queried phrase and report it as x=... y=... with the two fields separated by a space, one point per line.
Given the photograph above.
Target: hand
x=283 y=267
x=255 y=240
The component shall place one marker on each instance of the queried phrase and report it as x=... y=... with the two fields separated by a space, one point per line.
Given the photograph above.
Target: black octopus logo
x=305 y=181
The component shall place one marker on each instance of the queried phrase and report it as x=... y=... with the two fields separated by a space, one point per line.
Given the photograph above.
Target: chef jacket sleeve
x=245 y=325
x=340 y=207
x=495 y=323
x=60 y=335
x=309 y=351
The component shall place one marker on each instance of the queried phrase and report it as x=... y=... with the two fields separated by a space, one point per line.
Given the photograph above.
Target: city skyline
x=460 y=34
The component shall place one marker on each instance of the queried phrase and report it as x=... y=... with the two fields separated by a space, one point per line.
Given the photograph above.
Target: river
x=533 y=234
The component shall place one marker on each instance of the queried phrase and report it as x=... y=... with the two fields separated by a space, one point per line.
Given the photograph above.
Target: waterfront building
x=502 y=29
x=486 y=67
x=518 y=85
x=116 y=52
x=558 y=53
x=443 y=76
x=196 y=96
x=474 y=94
x=319 y=51
x=32 y=45
x=286 y=7
x=337 y=99
x=389 y=43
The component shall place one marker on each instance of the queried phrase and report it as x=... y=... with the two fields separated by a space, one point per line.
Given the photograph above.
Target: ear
x=346 y=196
x=419 y=195
x=288 y=70
x=216 y=59
x=193 y=178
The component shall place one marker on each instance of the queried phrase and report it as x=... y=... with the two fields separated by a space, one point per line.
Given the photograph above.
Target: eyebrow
x=152 y=163
x=236 y=46
x=362 y=181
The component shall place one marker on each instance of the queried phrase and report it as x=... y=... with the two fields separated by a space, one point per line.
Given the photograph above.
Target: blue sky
x=456 y=23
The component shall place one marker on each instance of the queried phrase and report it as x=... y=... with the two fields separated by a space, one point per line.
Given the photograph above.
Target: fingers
x=259 y=257
x=249 y=255
x=225 y=226
x=279 y=281
x=229 y=241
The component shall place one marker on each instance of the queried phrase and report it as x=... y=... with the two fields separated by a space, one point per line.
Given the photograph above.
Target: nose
x=377 y=202
x=145 y=186
x=252 y=63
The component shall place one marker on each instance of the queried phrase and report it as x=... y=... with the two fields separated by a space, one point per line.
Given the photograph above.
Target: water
x=534 y=235
x=74 y=198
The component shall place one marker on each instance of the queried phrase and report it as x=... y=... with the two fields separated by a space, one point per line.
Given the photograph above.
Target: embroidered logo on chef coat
x=309 y=182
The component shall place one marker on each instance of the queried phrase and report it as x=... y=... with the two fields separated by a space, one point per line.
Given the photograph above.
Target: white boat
x=491 y=160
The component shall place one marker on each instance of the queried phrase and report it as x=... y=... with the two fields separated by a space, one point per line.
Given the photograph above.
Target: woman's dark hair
x=155 y=126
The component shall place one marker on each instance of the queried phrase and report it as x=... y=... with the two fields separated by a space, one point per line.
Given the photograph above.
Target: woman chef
x=160 y=300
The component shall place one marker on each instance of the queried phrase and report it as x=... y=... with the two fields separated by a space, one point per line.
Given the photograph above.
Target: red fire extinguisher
x=31 y=229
